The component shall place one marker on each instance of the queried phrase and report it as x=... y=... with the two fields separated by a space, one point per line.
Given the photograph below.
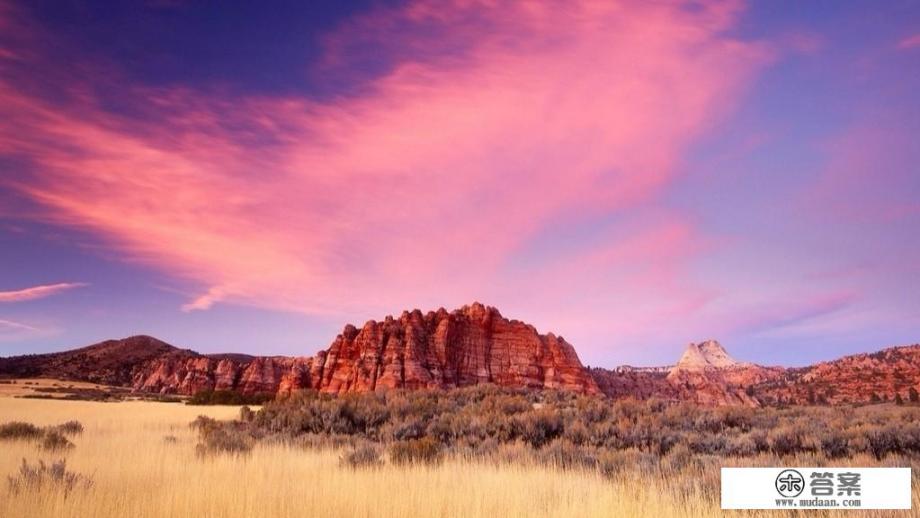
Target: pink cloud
x=634 y=286
x=213 y=296
x=16 y=326
x=909 y=42
x=869 y=174
x=417 y=189
x=15 y=330
x=38 y=292
x=793 y=311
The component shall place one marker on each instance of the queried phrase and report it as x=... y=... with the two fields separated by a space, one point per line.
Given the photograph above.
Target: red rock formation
x=708 y=375
x=471 y=345
x=880 y=376
x=705 y=374
x=181 y=374
x=474 y=344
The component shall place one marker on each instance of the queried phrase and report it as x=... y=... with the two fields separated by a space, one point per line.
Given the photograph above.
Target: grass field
x=34 y=386
x=138 y=473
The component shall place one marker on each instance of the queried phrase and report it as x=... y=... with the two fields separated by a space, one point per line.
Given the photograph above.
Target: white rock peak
x=706 y=355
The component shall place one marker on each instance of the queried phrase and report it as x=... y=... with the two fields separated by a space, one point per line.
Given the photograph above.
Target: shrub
x=540 y=427
x=365 y=455
x=679 y=457
x=834 y=446
x=883 y=441
x=709 y=444
x=567 y=455
x=611 y=463
x=201 y=422
x=19 y=430
x=741 y=446
x=215 y=438
x=219 y=440
x=55 y=476
x=70 y=428
x=410 y=428
x=423 y=451
x=55 y=441
x=785 y=441
x=229 y=397
x=566 y=429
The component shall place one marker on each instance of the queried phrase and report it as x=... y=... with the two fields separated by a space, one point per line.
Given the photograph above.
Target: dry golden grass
x=139 y=474
x=27 y=386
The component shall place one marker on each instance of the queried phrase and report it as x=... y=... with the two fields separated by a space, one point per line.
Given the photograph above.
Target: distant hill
x=471 y=345
x=111 y=362
x=707 y=374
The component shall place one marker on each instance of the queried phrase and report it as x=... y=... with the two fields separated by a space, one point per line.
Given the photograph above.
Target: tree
x=897 y=399
x=913 y=396
x=875 y=399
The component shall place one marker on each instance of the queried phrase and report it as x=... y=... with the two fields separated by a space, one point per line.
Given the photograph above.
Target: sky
x=633 y=176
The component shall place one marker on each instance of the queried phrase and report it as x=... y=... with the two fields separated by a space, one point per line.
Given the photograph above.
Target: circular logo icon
x=790 y=483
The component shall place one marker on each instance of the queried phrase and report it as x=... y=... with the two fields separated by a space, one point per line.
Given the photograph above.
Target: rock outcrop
x=708 y=375
x=439 y=349
x=860 y=378
x=471 y=345
x=705 y=374
x=705 y=356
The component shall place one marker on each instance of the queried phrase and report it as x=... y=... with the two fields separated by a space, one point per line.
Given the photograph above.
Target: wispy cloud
x=38 y=292
x=776 y=316
x=18 y=330
x=16 y=326
x=494 y=122
x=910 y=42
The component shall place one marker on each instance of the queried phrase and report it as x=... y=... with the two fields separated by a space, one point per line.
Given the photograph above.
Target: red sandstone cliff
x=474 y=344
x=471 y=345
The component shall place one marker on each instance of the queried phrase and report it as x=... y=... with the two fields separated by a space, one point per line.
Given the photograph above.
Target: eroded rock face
x=706 y=355
x=708 y=375
x=474 y=344
x=191 y=373
x=439 y=349
x=471 y=345
x=860 y=378
x=705 y=374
